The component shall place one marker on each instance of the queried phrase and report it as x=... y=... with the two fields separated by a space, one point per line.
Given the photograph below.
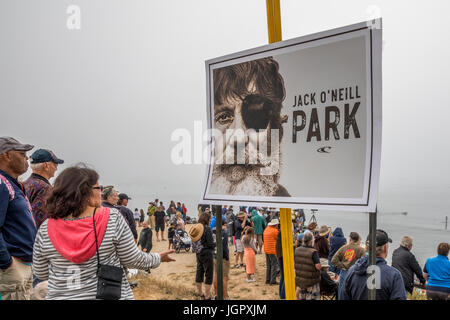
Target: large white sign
x=297 y=124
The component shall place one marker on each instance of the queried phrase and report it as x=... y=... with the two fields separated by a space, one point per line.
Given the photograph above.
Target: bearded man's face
x=244 y=163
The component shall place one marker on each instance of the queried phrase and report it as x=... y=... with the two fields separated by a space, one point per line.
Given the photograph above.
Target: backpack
x=197 y=246
x=8 y=186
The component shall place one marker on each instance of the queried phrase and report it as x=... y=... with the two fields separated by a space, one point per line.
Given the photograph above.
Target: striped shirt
x=67 y=280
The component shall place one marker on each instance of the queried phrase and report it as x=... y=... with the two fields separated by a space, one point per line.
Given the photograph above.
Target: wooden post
x=274 y=31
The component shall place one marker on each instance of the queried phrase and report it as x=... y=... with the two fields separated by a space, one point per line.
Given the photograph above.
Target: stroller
x=181 y=240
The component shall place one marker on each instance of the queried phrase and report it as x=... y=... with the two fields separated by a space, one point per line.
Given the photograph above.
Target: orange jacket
x=270 y=240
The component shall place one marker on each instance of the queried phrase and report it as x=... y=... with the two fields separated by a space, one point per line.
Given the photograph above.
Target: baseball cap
x=123 y=196
x=44 y=155
x=9 y=143
x=381 y=237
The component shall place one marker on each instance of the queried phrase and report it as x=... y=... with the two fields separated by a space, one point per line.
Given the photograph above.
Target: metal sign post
x=219 y=257
x=274 y=31
x=372 y=248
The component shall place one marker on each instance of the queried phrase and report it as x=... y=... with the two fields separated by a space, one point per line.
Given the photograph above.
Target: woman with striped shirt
x=65 y=247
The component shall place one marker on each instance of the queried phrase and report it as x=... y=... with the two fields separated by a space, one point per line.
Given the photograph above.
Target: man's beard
x=243 y=180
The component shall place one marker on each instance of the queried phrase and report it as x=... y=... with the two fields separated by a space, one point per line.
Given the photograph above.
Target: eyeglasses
x=98 y=188
x=256 y=112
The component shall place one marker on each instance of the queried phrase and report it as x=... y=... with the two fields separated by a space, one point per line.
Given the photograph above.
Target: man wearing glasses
x=17 y=225
x=248 y=96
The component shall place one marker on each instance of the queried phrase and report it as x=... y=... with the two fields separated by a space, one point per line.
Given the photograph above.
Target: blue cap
x=300 y=236
x=44 y=155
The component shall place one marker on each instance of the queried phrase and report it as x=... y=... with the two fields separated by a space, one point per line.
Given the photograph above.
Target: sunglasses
x=98 y=188
x=256 y=111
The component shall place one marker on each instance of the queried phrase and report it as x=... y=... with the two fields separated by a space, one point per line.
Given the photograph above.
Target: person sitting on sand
x=67 y=239
x=180 y=222
x=248 y=241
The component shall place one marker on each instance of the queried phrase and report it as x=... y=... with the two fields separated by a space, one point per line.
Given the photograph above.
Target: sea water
x=424 y=220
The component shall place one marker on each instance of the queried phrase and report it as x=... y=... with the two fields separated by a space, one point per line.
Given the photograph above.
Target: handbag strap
x=96 y=242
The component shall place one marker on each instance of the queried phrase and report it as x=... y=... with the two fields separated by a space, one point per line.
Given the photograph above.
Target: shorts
x=205 y=269
x=16 y=282
x=159 y=227
x=259 y=238
x=225 y=267
x=239 y=246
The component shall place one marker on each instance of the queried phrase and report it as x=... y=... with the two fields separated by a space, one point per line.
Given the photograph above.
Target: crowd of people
x=326 y=264
x=76 y=239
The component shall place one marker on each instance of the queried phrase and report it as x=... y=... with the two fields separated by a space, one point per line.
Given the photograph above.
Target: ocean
x=424 y=220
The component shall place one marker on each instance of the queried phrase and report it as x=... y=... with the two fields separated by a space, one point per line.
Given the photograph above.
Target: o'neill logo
x=324 y=150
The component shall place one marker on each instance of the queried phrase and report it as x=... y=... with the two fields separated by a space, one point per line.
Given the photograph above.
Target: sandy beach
x=176 y=280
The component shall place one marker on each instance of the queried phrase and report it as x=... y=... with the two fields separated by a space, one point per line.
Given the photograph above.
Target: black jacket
x=405 y=262
x=145 y=239
x=127 y=215
x=207 y=242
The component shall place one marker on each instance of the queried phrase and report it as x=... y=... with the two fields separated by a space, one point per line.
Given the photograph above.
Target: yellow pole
x=274 y=28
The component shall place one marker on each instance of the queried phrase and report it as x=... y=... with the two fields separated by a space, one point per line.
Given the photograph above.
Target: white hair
x=37 y=166
x=406 y=241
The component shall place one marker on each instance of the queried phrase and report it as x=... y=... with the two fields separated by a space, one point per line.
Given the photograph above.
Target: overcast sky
x=111 y=93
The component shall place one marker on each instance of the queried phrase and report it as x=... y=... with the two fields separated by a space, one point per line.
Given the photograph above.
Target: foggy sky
x=112 y=93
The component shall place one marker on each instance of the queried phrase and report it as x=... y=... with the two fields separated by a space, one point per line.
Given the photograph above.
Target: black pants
x=271 y=268
x=205 y=268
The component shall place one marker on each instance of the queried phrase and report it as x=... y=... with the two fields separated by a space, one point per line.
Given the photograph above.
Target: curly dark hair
x=71 y=192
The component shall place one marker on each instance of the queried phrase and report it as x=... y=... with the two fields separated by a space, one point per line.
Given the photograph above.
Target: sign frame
x=372 y=30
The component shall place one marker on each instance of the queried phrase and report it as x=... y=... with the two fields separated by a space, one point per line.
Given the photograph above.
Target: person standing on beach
x=146 y=238
x=437 y=272
x=17 y=225
x=67 y=239
x=248 y=241
x=270 y=240
x=44 y=164
x=151 y=213
x=405 y=262
x=142 y=218
x=390 y=285
x=225 y=265
x=203 y=246
x=259 y=225
x=180 y=222
x=127 y=213
x=137 y=216
x=307 y=270
x=239 y=225
x=347 y=256
x=160 y=222
x=336 y=242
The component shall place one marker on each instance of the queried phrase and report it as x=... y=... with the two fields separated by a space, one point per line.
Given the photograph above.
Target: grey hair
x=406 y=241
x=37 y=166
x=308 y=238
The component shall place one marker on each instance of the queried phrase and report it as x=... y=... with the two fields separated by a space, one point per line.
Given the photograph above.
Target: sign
x=297 y=123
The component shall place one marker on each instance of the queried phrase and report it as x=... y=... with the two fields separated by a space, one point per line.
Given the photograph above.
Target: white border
x=367 y=203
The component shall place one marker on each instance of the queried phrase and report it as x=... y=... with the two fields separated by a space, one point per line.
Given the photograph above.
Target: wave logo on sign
x=324 y=149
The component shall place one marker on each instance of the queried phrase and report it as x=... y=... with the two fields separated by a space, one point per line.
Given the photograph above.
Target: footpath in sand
x=176 y=280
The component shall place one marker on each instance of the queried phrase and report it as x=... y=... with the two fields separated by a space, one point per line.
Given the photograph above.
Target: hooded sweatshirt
x=336 y=242
x=389 y=283
x=65 y=254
